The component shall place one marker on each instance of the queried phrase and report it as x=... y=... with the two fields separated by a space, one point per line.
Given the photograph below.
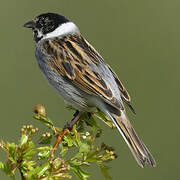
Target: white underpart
x=63 y=30
x=40 y=34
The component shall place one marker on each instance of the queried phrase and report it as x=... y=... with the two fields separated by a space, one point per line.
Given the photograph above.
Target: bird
x=79 y=74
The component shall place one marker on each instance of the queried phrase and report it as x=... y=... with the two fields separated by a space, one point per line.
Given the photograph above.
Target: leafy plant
x=34 y=155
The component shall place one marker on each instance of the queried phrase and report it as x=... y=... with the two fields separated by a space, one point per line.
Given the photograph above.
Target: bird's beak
x=30 y=24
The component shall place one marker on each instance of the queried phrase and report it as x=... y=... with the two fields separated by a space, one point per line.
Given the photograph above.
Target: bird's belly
x=72 y=95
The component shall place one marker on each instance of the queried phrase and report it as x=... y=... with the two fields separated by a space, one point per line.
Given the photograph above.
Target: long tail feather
x=137 y=147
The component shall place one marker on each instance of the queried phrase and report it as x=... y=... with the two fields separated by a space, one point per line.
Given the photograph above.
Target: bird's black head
x=44 y=24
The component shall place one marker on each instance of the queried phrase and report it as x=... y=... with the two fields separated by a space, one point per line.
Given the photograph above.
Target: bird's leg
x=67 y=127
x=89 y=115
x=70 y=125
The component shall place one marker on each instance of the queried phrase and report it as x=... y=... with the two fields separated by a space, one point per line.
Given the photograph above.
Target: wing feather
x=124 y=93
x=71 y=57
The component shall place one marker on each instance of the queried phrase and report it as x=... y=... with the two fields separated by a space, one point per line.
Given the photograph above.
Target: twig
x=67 y=127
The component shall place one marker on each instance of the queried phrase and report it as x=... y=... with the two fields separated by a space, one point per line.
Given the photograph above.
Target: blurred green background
x=139 y=39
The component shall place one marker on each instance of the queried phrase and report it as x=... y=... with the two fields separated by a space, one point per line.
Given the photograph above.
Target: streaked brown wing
x=124 y=93
x=71 y=57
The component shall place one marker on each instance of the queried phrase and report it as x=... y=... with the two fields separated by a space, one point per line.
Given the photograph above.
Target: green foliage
x=77 y=150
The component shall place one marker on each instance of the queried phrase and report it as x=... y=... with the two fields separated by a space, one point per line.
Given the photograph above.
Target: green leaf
x=68 y=140
x=12 y=159
x=81 y=174
x=75 y=162
x=31 y=145
x=92 y=156
x=29 y=154
x=42 y=169
x=43 y=154
x=43 y=119
x=44 y=148
x=12 y=151
x=77 y=137
x=64 y=149
x=7 y=169
x=38 y=171
x=27 y=166
x=12 y=148
x=104 y=118
x=61 y=176
x=80 y=125
x=1 y=165
x=91 y=121
x=48 y=121
x=84 y=148
x=24 y=139
x=104 y=169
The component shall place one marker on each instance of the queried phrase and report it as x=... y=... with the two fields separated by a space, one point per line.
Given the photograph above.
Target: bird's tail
x=137 y=147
